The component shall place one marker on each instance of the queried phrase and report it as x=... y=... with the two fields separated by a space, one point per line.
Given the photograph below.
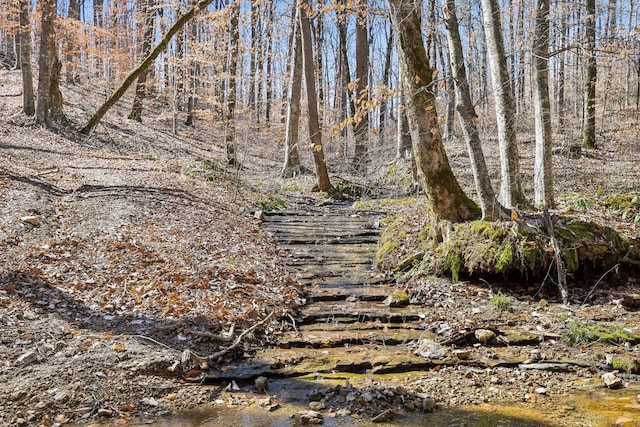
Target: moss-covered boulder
x=519 y=248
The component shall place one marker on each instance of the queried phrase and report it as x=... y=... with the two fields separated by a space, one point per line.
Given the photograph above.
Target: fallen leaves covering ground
x=116 y=254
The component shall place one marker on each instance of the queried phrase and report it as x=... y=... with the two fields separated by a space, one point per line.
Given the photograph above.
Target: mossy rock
x=627 y=206
x=507 y=248
x=390 y=243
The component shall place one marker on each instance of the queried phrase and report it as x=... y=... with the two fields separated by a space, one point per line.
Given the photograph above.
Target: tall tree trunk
x=291 y=154
x=345 y=75
x=48 y=65
x=253 y=54
x=361 y=129
x=28 y=98
x=446 y=198
x=230 y=125
x=404 y=150
x=385 y=81
x=194 y=75
x=510 y=189
x=543 y=171
x=491 y=208
x=315 y=135
x=563 y=30
x=71 y=68
x=144 y=65
x=270 y=41
x=146 y=12
x=589 y=92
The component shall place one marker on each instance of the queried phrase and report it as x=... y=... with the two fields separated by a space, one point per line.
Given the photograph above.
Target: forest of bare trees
x=565 y=66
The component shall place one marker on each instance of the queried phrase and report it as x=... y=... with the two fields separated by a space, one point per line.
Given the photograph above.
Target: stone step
x=332 y=282
x=330 y=240
x=358 y=311
x=372 y=292
x=294 y=362
x=336 y=338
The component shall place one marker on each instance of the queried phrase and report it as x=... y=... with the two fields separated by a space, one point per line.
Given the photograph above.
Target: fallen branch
x=203 y=362
x=227 y=336
x=560 y=268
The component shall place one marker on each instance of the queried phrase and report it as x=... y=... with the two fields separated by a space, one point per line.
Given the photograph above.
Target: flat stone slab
x=358 y=311
x=335 y=338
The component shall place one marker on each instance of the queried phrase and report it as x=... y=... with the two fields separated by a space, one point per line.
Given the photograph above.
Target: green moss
x=626 y=206
x=390 y=242
x=271 y=202
x=571 y=261
x=581 y=334
x=620 y=365
x=505 y=258
x=503 y=302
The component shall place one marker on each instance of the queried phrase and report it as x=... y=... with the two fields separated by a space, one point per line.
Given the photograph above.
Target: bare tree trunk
x=269 y=58
x=385 y=80
x=323 y=183
x=345 y=75
x=291 y=154
x=404 y=150
x=563 y=30
x=144 y=65
x=230 y=125
x=253 y=55
x=48 y=65
x=510 y=189
x=447 y=200
x=543 y=171
x=28 y=98
x=589 y=93
x=146 y=12
x=491 y=208
x=71 y=68
x=361 y=130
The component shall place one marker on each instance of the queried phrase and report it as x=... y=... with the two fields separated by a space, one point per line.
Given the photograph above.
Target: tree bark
x=230 y=125
x=361 y=129
x=47 y=64
x=319 y=160
x=511 y=194
x=144 y=65
x=543 y=171
x=447 y=200
x=291 y=145
x=491 y=208
x=28 y=97
x=590 y=73
x=73 y=12
x=146 y=12
x=385 y=81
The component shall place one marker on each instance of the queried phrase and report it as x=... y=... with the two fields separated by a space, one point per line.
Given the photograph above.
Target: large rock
x=430 y=349
x=397 y=299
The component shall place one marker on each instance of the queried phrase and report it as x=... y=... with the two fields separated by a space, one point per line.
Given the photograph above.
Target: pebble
x=309 y=417
x=541 y=390
x=317 y=406
x=261 y=384
x=429 y=349
x=484 y=335
x=611 y=380
x=315 y=395
x=27 y=358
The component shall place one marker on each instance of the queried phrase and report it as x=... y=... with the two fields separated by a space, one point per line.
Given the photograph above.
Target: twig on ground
x=615 y=267
x=227 y=336
x=144 y=337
